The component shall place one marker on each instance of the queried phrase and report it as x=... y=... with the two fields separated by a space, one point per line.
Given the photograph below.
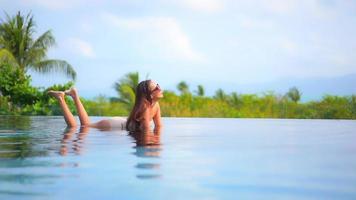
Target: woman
x=146 y=108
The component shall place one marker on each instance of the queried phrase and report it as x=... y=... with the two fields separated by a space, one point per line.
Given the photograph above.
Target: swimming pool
x=193 y=158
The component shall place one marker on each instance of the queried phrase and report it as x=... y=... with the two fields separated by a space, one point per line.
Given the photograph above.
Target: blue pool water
x=192 y=158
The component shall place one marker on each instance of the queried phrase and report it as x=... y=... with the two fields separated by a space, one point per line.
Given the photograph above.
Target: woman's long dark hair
x=142 y=100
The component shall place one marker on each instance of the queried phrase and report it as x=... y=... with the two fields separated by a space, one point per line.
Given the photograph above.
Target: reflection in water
x=14 y=141
x=26 y=178
x=15 y=145
x=31 y=143
x=20 y=193
x=13 y=123
x=147 y=146
x=76 y=144
x=257 y=159
x=23 y=140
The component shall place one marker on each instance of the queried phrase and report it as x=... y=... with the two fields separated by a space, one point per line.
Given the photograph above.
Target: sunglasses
x=157 y=88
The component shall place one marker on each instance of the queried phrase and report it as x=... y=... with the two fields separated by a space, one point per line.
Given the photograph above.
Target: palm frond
x=131 y=79
x=183 y=87
x=127 y=95
x=7 y=57
x=38 y=50
x=16 y=35
x=47 y=66
x=126 y=88
x=45 y=41
x=200 y=91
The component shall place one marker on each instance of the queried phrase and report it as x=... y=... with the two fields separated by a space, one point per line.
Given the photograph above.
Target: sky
x=251 y=46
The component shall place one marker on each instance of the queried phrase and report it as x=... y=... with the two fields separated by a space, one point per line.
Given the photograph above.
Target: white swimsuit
x=118 y=122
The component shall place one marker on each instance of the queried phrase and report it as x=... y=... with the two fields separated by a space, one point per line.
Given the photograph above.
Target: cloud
x=80 y=47
x=209 y=6
x=166 y=36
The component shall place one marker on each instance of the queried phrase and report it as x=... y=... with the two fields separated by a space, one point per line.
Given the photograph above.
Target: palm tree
x=183 y=87
x=200 y=91
x=220 y=95
x=235 y=99
x=126 y=88
x=294 y=94
x=19 y=48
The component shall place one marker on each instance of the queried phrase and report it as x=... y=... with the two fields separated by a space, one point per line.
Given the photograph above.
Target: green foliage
x=220 y=95
x=334 y=107
x=294 y=94
x=19 y=97
x=183 y=87
x=5 y=106
x=20 y=49
x=200 y=91
x=101 y=106
x=126 y=88
x=15 y=86
x=235 y=100
x=268 y=105
x=352 y=105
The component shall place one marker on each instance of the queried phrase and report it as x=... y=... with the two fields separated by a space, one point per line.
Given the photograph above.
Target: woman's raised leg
x=82 y=113
x=68 y=116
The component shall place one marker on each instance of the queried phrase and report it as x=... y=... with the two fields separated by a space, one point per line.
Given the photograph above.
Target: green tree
x=15 y=86
x=352 y=105
x=221 y=95
x=126 y=88
x=20 y=49
x=200 y=91
x=235 y=100
x=183 y=87
x=45 y=105
x=294 y=94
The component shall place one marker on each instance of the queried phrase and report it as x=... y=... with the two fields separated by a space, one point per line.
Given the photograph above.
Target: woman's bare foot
x=71 y=92
x=56 y=94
